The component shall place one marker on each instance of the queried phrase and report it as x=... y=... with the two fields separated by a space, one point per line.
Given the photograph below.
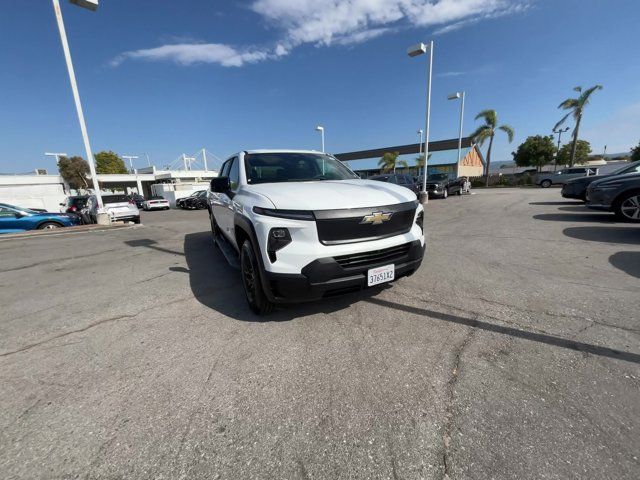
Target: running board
x=228 y=251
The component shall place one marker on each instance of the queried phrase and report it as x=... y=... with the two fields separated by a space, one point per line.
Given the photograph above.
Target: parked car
x=302 y=226
x=577 y=188
x=545 y=180
x=75 y=203
x=156 y=203
x=17 y=219
x=619 y=194
x=137 y=198
x=398 y=179
x=196 y=201
x=119 y=207
x=440 y=185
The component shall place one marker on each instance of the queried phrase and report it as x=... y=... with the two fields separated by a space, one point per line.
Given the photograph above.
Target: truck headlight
x=420 y=220
x=290 y=214
x=278 y=239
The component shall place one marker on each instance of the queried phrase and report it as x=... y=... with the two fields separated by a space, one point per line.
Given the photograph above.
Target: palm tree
x=420 y=162
x=488 y=131
x=576 y=107
x=389 y=162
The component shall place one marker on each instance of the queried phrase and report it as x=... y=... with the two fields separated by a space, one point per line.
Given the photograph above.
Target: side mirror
x=20 y=214
x=220 y=184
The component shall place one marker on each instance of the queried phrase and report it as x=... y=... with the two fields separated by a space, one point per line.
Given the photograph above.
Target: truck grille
x=349 y=226
x=386 y=255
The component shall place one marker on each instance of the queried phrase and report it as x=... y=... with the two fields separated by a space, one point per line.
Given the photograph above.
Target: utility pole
x=60 y=155
x=559 y=132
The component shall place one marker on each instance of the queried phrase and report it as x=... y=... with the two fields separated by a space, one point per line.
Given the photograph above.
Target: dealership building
x=40 y=190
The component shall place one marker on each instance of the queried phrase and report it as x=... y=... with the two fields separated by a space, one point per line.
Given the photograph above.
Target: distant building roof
x=447 y=157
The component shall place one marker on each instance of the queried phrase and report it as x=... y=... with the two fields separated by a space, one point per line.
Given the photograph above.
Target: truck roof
x=281 y=150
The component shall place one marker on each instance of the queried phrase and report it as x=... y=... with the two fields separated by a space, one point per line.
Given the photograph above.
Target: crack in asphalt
x=57 y=260
x=92 y=325
x=449 y=408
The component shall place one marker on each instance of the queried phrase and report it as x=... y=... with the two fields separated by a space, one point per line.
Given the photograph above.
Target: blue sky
x=161 y=78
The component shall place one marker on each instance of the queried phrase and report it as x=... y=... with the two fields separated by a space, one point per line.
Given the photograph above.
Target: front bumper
x=599 y=199
x=325 y=277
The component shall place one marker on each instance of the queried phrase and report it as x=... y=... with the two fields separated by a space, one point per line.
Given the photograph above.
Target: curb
x=66 y=231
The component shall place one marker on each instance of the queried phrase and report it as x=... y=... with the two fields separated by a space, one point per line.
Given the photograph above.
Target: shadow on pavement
x=557 y=203
x=628 y=262
x=513 y=332
x=628 y=235
x=217 y=285
x=576 y=208
x=573 y=217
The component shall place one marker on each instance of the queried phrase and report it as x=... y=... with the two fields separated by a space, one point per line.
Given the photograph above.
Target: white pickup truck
x=301 y=226
x=545 y=180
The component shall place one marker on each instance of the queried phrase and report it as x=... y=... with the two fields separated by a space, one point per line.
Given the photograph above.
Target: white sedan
x=156 y=203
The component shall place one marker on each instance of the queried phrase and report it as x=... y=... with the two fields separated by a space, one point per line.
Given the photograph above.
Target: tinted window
x=78 y=202
x=115 y=199
x=293 y=167
x=5 y=212
x=224 y=171
x=234 y=175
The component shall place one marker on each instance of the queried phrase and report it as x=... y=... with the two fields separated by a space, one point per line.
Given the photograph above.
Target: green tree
x=576 y=109
x=581 y=153
x=487 y=132
x=109 y=162
x=420 y=162
x=389 y=162
x=74 y=171
x=635 y=153
x=536 y=151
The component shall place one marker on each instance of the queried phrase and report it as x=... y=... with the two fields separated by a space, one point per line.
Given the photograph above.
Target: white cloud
x=191 y=53
x=327 y=22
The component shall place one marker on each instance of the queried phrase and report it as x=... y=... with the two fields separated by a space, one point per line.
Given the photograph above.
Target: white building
x=49 y=191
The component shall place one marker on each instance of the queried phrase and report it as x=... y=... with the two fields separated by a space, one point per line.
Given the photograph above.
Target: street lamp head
x=419 y=132
x=418 y=49
x=454 y=96
x=88 y=4
x=319 y=128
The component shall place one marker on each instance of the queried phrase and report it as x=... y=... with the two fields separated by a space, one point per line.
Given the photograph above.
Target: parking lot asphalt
x=514 y=352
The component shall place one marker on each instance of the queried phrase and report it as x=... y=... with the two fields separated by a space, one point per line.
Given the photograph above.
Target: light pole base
x=103 y=219
x=423 y=198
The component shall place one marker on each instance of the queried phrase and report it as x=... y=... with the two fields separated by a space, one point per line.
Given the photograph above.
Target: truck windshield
x=294 y=167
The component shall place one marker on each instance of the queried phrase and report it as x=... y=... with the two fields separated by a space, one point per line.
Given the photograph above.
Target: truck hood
x=331 y=195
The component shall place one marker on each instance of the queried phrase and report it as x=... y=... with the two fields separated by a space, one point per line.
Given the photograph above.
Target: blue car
x=17 y=219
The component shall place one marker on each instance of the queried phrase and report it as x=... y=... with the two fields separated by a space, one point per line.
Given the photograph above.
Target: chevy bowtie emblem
x=377 y=218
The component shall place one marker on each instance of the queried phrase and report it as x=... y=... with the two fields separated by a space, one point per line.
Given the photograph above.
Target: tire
x=627 y=208
x=459 y=192
x=49 y=226
x=250 y=272
x=445 y=194
x=136 y=220
x=545 y=183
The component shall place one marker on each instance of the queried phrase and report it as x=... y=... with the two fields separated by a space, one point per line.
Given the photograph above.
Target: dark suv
x=577 y=188
x=399 y=179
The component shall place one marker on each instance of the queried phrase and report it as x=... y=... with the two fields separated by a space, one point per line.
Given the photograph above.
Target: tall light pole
x=559 y=132
x=321 y=130
x=135 y=171
x=455 y=96
x=90 y=5
x=130 y=158
x=57 y=155
x=415 y=51
x=419 y=132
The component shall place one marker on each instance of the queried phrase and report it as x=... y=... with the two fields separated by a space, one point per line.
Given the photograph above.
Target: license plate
x=379 y=275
